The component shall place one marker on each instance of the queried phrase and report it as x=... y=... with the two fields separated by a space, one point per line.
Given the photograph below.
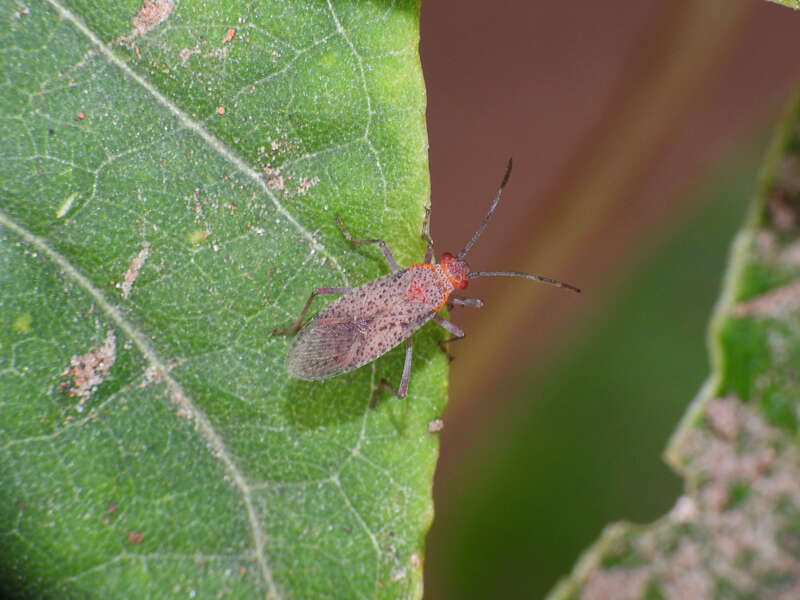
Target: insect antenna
x=547 y=280
x=485 y=221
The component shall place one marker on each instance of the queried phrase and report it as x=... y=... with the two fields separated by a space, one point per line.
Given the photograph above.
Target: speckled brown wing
x=357 y=328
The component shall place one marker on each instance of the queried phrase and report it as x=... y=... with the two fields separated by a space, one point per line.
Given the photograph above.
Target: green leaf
x=169 y=179
x=790 y=3
x=735 y=533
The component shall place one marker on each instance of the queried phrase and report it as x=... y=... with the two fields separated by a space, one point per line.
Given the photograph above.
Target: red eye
x=447 y=257
x=463 y=285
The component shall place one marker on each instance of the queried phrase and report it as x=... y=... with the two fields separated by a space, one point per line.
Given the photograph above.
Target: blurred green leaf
x=734 y=533
x=790 y=3
x=592 y=419
x=168 y=184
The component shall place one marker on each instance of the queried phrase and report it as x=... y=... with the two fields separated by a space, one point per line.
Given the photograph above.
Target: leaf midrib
x=177 y=395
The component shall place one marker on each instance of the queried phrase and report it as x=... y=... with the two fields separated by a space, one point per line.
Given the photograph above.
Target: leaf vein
x=363 y=74
x=192 y=125
x=177 y=395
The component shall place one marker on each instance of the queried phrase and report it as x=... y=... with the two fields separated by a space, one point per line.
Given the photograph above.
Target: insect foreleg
x=403 y=388
x=299 y=323
x=386 y=252
x=426 y=236
x=460 y=301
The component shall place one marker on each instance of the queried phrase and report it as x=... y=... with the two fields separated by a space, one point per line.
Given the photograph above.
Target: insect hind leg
x=457 y=333
x=402 y=390
x=384 y=247
x=299 y=323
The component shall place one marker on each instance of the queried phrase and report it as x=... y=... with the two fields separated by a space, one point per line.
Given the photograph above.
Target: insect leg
x=386 y=252
x=299 y=323
x=450 y=326
x=471 y=302
x=403 y=389
x=458 y=334
x=426 y=236
x=401 y=393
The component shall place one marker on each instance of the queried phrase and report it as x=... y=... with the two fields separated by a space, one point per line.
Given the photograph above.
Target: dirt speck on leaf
x=90 y=370
x=65 y=205
x=435 y=426
x=135 y=537
x=219 y=53
x=132 y=273
x=186 y=53
x=275 y=180
x=151 y=374
x=306 y=184
x=151 y=15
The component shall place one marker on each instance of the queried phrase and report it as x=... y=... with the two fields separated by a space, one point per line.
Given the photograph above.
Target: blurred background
x=637 y=130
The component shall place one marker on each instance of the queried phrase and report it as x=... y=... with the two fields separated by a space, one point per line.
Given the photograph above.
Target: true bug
x=368 y=321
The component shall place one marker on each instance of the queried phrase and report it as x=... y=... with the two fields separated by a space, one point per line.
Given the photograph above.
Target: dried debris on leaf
x=132 y=273
x=89 y=370
x=151 y=15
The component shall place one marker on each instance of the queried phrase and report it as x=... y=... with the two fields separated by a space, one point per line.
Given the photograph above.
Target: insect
x=368 y=321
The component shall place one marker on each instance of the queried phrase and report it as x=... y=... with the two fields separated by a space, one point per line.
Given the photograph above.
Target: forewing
x=324 y=348
x=356 y=329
